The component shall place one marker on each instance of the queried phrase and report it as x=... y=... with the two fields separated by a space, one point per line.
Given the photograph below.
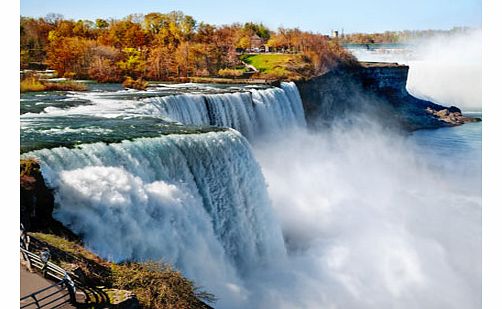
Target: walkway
x=32 y=282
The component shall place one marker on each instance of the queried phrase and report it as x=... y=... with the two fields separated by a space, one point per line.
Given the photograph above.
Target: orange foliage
x=160 y=46
x=70 y=56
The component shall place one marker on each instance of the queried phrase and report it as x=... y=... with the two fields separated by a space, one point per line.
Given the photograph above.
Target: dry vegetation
x=138 y=84
x=156 y=285
x=32 y=83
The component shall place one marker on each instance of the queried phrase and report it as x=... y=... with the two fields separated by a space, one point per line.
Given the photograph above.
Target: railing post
x=24 y=238
x=45 y=255
x=70 y=285
x=36 y=300
x=53 y=270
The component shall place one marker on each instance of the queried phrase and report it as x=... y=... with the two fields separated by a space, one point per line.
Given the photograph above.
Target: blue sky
x=313 y=15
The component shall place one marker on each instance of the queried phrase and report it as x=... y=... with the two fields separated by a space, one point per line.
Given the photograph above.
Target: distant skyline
x=314 y=15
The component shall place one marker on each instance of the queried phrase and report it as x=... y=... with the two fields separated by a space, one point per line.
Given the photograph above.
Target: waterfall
x=253 y=112
x=198 y=201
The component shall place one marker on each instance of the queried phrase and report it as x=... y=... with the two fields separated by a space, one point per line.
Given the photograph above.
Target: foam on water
x=366 y=217
x=253 y=112
x=198 y=201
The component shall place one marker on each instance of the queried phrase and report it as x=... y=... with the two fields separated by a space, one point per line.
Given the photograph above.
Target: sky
x=321 y=16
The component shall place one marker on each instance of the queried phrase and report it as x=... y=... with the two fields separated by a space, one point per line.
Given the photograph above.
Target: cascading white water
x=198 y=201
x=369 y=221
x=233 y=110
x=297 y=105
x=254 y=112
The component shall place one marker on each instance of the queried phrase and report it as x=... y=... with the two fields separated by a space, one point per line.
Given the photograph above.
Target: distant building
x=257 y=43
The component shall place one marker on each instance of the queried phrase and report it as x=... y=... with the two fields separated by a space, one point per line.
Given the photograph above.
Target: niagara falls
x=172 y=162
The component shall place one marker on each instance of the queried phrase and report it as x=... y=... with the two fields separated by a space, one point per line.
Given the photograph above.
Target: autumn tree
x=184 y=60
x=70 y=56
x=34 y=39
x=258 y=29
x=165 y=45
x=160 y=63
x=225 y=40
x=103 y=67
x=132 y=63
x=101 y=23
x=123 y=34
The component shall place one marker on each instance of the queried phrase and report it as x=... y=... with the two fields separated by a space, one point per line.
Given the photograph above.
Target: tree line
x=160 y=46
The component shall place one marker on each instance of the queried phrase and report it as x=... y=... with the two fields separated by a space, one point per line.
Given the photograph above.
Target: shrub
x=138 y=84
x=31 y=84
x=232 y=73
x=65 y=86
x=28 y=167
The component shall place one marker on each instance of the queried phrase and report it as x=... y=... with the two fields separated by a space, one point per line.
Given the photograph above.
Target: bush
x=32 y=83
x=28 y=167
x=231 y=73
x=65 y=86
x=138 y=84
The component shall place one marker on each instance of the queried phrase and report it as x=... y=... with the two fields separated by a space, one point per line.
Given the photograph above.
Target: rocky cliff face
x=374 y=90
x=37 y=202
x=385 y=78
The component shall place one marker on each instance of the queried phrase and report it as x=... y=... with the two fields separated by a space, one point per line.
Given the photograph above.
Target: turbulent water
x=373 y=219
x=357 y=216
x=109 y=114
x=198 y=201
x=250 y=112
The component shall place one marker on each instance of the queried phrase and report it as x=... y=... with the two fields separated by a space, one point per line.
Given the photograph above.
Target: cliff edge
x=373 y=89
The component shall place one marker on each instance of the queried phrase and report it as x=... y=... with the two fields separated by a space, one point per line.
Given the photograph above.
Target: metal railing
x=62 y=292
x=64 y=286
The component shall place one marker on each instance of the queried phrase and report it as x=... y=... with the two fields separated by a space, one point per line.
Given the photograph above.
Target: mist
x=371 y=221
x=356 y=216
x=445 y=69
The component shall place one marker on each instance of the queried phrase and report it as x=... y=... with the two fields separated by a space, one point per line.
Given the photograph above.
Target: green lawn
x=279 y=65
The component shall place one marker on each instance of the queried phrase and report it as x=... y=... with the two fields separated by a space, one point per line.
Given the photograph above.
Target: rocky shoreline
x=452 y=116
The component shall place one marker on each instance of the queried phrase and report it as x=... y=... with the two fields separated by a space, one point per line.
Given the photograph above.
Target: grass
x=69 y=247
x=282 y=66
x=155 y=284
x=33 y=84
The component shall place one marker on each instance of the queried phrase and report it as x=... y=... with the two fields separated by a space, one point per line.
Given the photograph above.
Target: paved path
x=252 y=68
x=32 y=282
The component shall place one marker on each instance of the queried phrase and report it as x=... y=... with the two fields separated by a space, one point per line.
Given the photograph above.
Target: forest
x=167 y=46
